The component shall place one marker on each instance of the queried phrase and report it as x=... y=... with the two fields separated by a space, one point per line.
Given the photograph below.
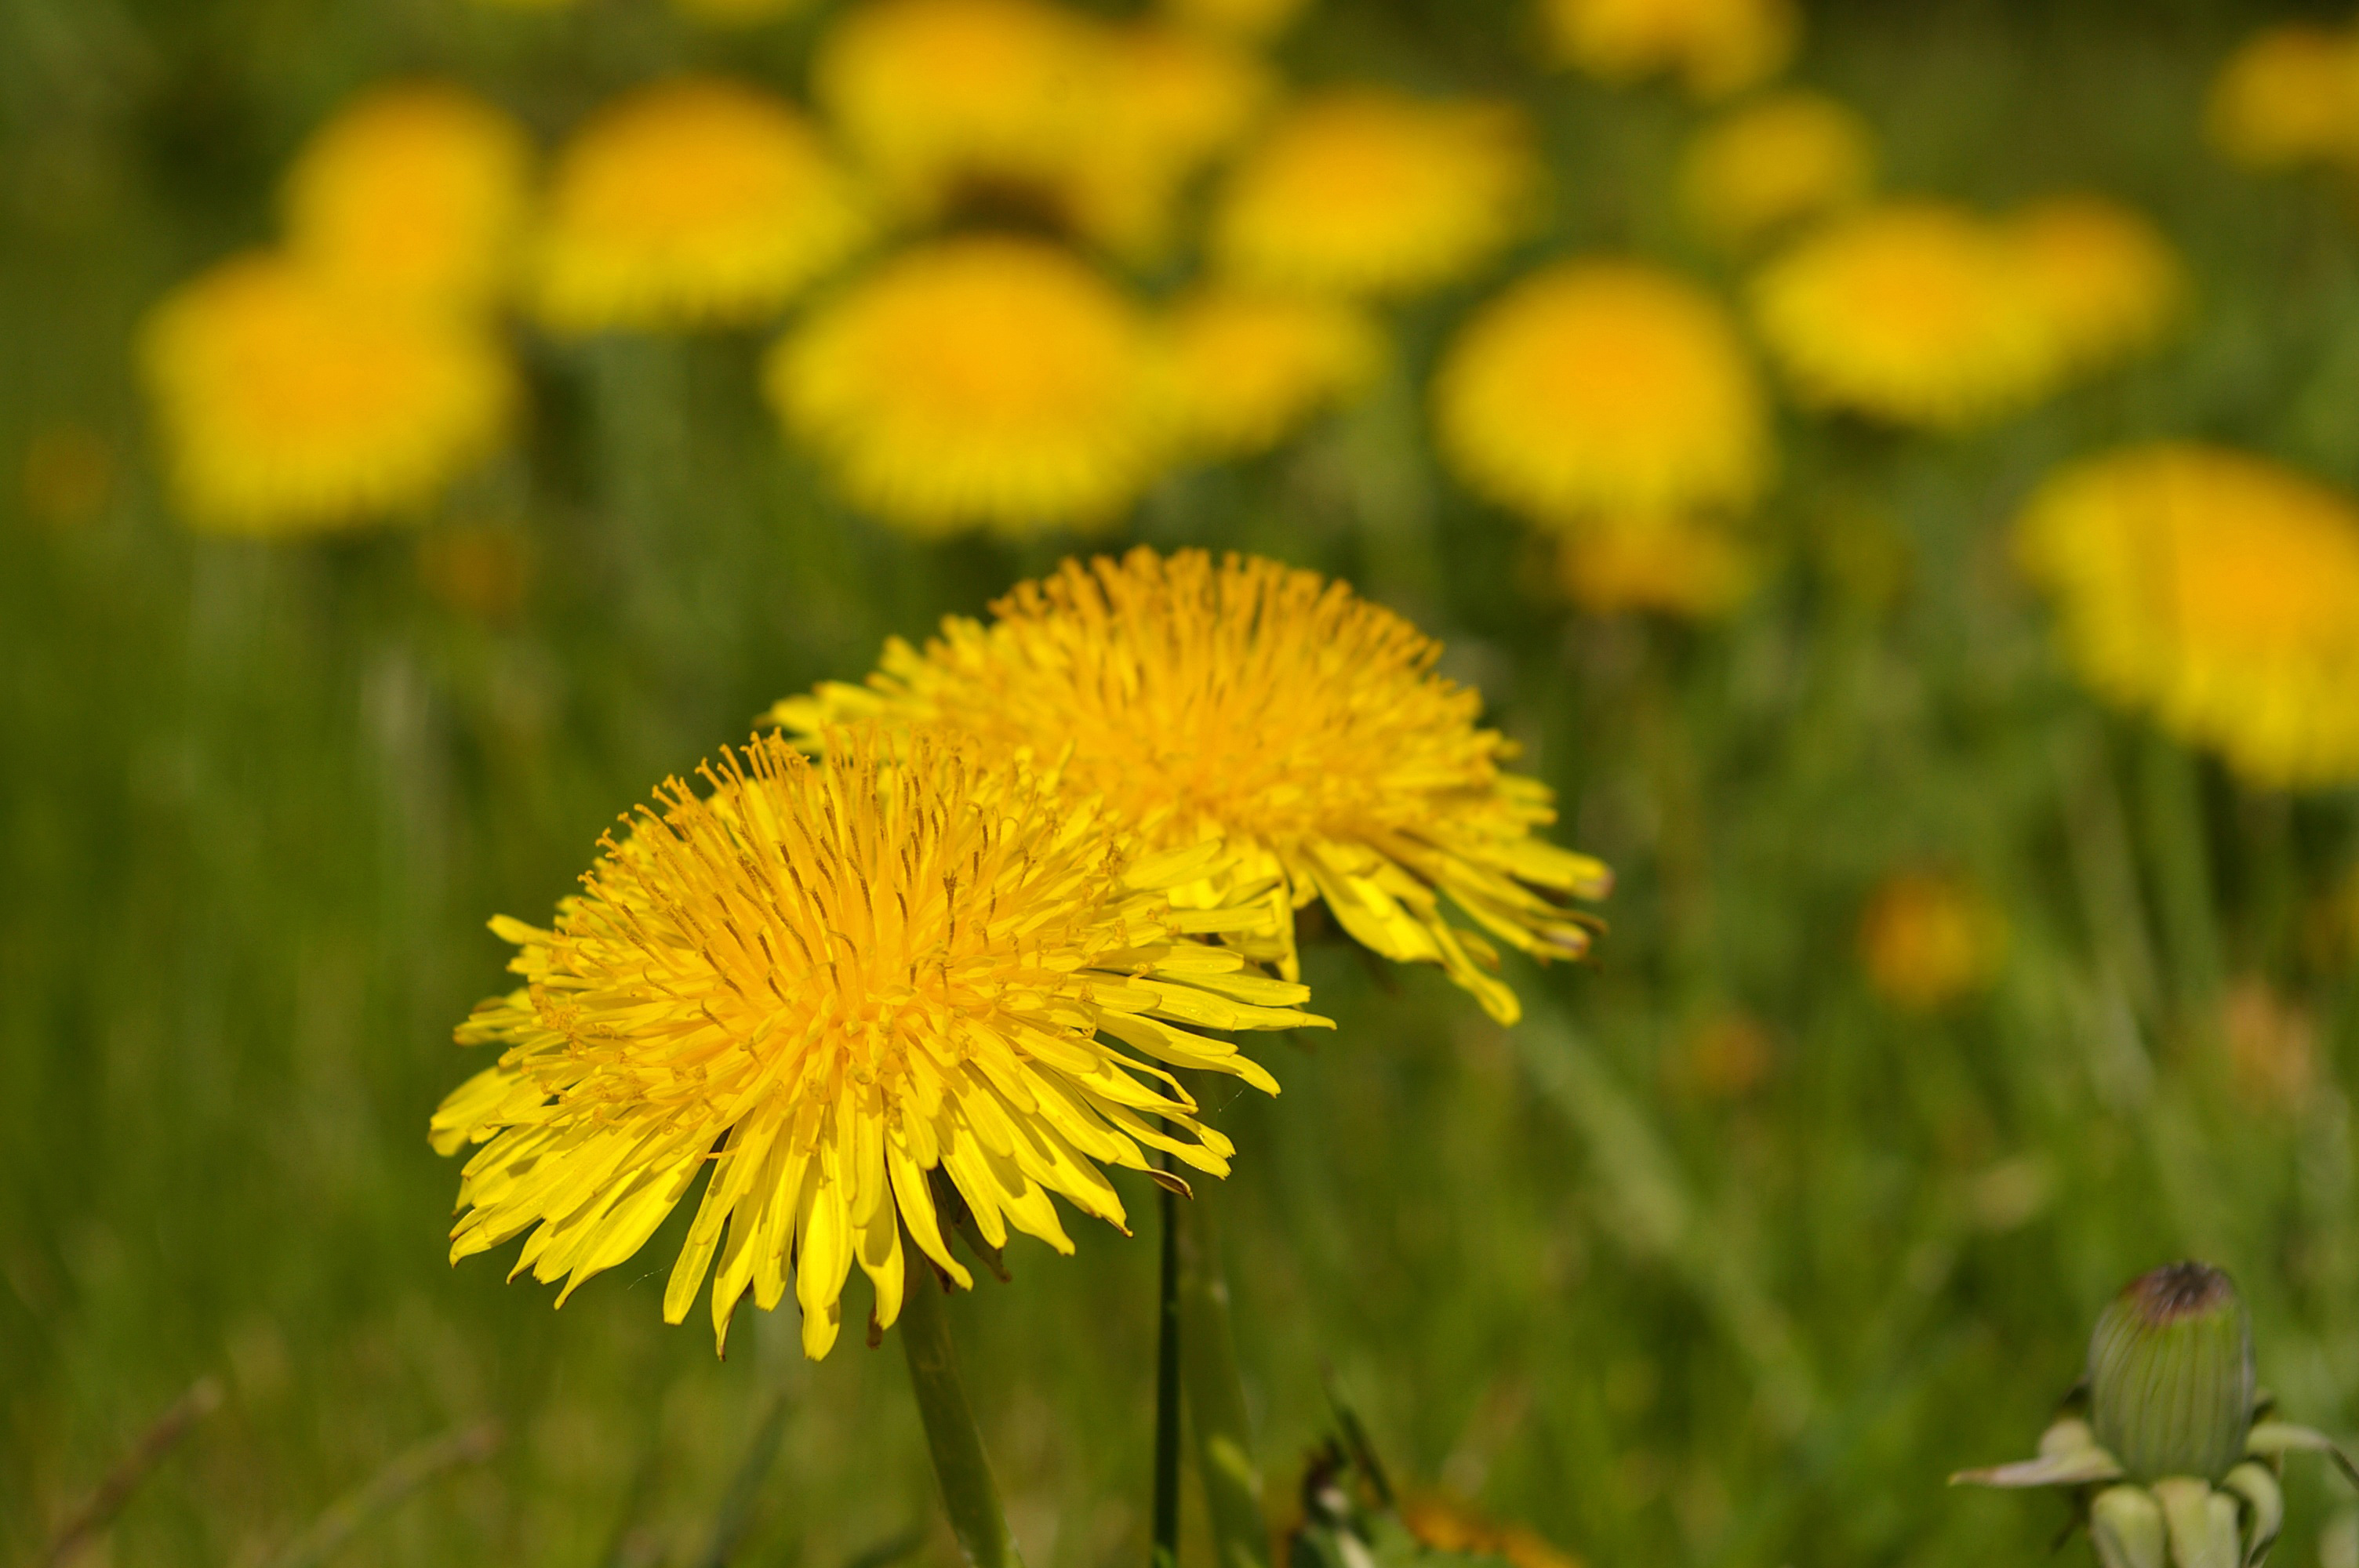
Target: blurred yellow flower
x=1930 y=938
x=1774 y=162
x=1917 y=312
x=2289 y=95
x=1672 y=563
x=1270 y=709
x=694 y=202
x=1368 y=192
x=1718 y=46
x=1250 y=19
x=2108 y=283
x=984 y=380
x=1603 y=387
x=1446 y=1523
x=848 y=989
x=2216 y=591
x=287 y=404
x=1249 y=369
x=1173 y=100
x=417 y=190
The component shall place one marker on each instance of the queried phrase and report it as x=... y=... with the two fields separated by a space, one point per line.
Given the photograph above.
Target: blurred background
x=1962 y=965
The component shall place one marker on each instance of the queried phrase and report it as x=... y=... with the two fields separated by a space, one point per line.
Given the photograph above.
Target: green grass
x=258 y=804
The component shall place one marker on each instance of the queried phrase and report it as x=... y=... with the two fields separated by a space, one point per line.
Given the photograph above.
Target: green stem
x=2180 y=845
x=1166 y=1554
x=968 y=1494
x=1215 y=1389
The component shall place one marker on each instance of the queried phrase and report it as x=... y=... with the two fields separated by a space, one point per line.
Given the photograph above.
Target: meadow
x=1723 y=1255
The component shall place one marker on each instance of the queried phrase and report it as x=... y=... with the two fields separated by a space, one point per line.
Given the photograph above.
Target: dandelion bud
x=2170 y=1375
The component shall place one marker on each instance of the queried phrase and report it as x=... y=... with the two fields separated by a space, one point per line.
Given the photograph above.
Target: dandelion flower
x=1172 y=102
x=2215 y=591
x=1363 y=192
x=415 y=191
x=847 y=988
x=2108 y=283
x=2289 y=95
x=1247 y=19
x=1928 y=939
x=288 y=405
x=1917 y=313
x=1672 y=563
x=1603 y=387
x=696 y=201
x=983 y=380
x=1773 y=163
x=1248 y=369
x=1276 y=712
x=1719 y=45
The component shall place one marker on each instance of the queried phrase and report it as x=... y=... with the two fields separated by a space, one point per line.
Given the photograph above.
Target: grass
x=258 y=802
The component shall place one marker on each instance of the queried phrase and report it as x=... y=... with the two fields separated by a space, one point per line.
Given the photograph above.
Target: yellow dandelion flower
x=1370 y=192
x=1929 y=938
x=1719 y=45
x=2108 y=283
x=1249 y=20
x=1673 y=563
x=1171 y=102
x=1603 y=387
x=1249 y=369
x=2215 y=591
x=416 y=189
x=1773 y=163
x=696 y=201
x=1275 y=711
x=848 y=989
x=287 y=404
x=2289 y=95
x=1917 y=313
x=978 y=381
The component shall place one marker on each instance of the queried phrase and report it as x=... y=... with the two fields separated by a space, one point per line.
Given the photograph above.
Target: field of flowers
x=1568 y=761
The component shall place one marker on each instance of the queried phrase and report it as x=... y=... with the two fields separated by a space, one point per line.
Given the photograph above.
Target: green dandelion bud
x=2170 y=1375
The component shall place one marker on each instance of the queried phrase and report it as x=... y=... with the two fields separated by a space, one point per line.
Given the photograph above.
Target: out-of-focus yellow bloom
x=2215 y=591
x=1248 y=19
x=1672 y=563
x=1172 y=102
x=2108 y=283
x=1276 y=712
x=979 y=381
x=694 y=202
x=1364 y=192
x=1248 y=369
x=1447 y=1524
x=845 y=988
x=415 y=191
x=739 y=13
x=287 y=404
x=1774 y=162
x=1718 y=46
x=1603 y=387
x=1930 y=938
x=1917 y=312
x=2289 y=95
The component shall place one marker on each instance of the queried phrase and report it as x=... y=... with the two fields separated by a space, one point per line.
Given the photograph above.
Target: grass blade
x=969 y=1495
x=335 y=1528
x=163 y=1435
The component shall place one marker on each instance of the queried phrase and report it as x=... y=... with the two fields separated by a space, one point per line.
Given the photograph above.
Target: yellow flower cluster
x=926 y=961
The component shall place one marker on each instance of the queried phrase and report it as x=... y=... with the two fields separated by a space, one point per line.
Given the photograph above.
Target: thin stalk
x=2182 y=863
x=968 y=1495
x=1215 y=1389
x=1166 y=1554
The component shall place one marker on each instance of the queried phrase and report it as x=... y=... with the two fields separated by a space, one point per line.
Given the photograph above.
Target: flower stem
x=1166 y=1554
x=1215 y=1388
x=968 y=1494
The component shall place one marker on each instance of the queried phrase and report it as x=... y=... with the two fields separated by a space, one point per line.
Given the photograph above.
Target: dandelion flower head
x=2289 y=95
x=1917 y=313
x=2108 y=283
x=415 y=191
x=1774 y=162
x=1603 y=387
x=850 y=989
x=1719 y=47
x=1172 y=101
x=1279 y=713
x=984 y=380
x=1929 y=939
x=1248 y=369
x=2218 y=592
x=1366 y=192
x=288 y=404
x=696 y=201
x=1670 y=563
